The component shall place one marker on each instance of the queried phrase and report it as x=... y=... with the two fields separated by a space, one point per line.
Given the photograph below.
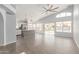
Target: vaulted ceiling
x=33 y=11
x=9 y=8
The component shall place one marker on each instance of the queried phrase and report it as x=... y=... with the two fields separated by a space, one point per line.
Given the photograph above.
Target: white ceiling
x=33 y=11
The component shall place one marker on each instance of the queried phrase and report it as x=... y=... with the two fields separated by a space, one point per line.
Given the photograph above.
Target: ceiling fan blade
x=44 y=8
x=55 y=8
x=44 y=12
x=50 y=7
x=53 y=11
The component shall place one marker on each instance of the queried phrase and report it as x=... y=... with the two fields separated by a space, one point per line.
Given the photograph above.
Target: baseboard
x=1 y=44
x=9 y=43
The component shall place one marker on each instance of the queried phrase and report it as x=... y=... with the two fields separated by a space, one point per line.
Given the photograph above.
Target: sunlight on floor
x=47 y=38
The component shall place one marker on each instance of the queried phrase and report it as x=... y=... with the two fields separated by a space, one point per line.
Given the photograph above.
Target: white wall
x=1 y=30
x=10 y=29
x=76 y=24
x=7 y=27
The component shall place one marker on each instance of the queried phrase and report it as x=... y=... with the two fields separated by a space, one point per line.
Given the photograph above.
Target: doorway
x=1 y=30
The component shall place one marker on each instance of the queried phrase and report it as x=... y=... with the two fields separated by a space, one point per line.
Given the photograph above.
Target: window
x=59 y=26
x=39 y=27
x=64 y=14
x=67 y=26
x=49 y=27
x=33 y=26
x=30 y=27
x=17 y=26
x=64 y=26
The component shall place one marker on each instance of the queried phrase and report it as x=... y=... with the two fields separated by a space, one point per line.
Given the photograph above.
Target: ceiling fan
x=50 y=8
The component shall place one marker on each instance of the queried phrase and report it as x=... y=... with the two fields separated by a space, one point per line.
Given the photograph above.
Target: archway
x=1 y=30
